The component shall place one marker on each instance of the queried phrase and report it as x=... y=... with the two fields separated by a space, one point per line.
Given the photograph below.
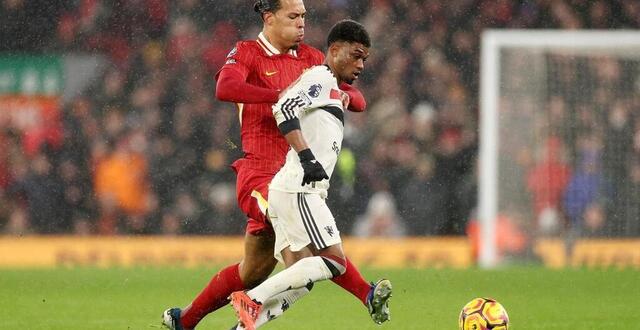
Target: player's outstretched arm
x=232 y=87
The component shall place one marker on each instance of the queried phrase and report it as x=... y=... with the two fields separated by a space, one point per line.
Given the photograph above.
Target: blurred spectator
x=629 y=211
x=381 y=218
x=424 y=203
x=121 y=178
x=454 y=154
x=165 y=168
x=586 y=192
x=187 y=211
x=156 y=145
x=43 y=193
x=5 y=148
x=511 y=237
x=18 y=223
x=615 y=162
x=224 y=212
x=548 y=178
x=29 y=25
x=170 y=224
x=76 y=188
x=594 y=221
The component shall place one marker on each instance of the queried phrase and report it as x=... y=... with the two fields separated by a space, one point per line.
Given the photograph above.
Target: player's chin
x=352 y=79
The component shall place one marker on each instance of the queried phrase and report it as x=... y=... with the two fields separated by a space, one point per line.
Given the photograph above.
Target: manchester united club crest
x=329 y=230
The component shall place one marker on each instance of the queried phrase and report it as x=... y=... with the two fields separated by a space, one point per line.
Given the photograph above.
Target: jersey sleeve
x=231 y=80
x=240 y=59
x=311 y=90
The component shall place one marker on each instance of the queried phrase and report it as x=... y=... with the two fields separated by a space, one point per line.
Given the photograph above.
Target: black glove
x=313 y=170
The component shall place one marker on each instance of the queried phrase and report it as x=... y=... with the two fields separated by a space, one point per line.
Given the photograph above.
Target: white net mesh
x=568 y=161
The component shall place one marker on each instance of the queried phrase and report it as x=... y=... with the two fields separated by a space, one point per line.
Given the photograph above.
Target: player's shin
x=213 y=296
x=305 y=271
x=353 y=282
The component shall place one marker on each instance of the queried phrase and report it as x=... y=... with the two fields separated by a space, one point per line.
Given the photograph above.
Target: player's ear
x=269 y=18
x=334 y=49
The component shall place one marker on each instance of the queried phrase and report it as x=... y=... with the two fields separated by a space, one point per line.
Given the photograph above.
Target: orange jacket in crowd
x=122 y=175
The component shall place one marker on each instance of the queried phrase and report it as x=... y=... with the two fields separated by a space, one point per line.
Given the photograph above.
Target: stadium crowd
x=146 y=148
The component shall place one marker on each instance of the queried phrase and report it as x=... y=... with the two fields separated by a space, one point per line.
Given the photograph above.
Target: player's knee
x=336 y=265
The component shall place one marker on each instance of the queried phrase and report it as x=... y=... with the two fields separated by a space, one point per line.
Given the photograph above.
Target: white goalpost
x=524 y=66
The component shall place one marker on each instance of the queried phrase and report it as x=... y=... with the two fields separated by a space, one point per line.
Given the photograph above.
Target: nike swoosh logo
x=270 y=73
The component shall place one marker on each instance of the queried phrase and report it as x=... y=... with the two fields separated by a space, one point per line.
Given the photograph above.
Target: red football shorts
x=252 y=188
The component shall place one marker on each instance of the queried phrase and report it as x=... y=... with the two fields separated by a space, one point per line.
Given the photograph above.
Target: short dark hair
x=263 y=6
x=349 y=31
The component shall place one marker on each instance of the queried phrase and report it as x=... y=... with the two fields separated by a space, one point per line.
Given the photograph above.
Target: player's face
x=349 y=60
x=288 y=23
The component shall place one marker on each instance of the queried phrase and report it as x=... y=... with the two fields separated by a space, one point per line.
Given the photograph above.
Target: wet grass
x=536 y=298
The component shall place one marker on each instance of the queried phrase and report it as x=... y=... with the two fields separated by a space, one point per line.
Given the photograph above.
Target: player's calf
x=300 y=274
x=258 y=261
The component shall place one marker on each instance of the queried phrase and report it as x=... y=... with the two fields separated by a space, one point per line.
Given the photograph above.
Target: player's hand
x=313 y=170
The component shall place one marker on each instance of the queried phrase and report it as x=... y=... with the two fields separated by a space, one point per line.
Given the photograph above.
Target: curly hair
x=349 y=31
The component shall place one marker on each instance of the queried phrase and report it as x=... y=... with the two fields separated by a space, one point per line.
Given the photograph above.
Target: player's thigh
x=252 y=193
x=258 y=261
x=291 y=236
x=300 y=220
x=333 y=250
x=290 y=257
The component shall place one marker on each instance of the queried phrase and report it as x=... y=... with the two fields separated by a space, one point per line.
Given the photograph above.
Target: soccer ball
x=483 y=314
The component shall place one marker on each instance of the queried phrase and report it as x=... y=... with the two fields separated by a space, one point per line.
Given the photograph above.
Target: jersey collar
x=270 y=49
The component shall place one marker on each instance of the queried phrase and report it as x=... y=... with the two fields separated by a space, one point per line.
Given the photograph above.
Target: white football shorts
x=300 y=219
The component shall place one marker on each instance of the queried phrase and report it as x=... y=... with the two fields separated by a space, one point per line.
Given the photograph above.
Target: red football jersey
x=263 y=145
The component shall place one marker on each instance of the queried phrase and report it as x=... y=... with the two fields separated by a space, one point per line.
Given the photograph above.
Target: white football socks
x=277 y=305
x=302 y=273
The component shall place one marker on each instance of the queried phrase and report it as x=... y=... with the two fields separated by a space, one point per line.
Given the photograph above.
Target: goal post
x=518 y=65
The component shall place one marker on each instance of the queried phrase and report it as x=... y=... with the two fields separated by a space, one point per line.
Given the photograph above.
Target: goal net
x=559 y=139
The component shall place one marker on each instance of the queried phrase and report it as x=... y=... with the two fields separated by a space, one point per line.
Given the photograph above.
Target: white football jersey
x=314 y=100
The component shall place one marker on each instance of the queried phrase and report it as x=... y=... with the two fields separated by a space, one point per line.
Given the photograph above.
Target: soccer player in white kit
x=310 y=114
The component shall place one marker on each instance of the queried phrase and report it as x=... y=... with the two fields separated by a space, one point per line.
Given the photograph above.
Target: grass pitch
x=535 y=298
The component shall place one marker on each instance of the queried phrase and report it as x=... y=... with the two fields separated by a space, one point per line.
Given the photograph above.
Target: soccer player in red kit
x=253 y=77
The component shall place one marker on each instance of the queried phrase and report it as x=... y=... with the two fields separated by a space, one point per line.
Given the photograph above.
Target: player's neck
x=333 y=72
x=274 y=42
